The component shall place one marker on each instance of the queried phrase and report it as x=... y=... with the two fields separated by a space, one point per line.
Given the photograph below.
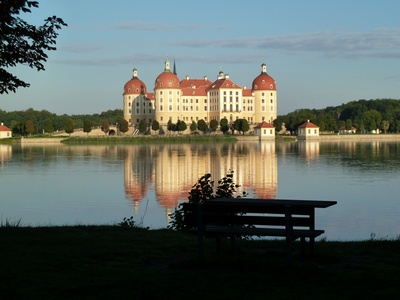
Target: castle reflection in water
x=171 y=170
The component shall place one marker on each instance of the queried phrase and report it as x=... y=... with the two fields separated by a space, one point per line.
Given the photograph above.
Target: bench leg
x=303 y=247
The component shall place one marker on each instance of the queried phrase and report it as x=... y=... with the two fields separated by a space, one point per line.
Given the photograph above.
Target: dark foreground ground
x=110 y=262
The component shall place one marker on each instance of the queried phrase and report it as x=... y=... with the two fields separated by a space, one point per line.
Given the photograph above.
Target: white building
x=5 y=132
x=307 y=131
x=265 y=131
x=195 y=99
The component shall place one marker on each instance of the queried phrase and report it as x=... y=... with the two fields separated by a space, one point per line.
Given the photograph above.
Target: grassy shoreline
x=104 y=262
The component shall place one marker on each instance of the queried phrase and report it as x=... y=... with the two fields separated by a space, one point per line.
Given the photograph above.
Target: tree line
x=32 y=121
x=364 y=115
x=383 y=114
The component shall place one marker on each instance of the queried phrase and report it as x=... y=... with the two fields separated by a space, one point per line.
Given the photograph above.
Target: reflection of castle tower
x=138 y=171
x=266 y=171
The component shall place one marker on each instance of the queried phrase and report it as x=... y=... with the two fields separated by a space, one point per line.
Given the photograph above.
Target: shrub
x=202 y=191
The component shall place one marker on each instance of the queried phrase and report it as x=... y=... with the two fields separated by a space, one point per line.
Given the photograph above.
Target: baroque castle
x=195 y=99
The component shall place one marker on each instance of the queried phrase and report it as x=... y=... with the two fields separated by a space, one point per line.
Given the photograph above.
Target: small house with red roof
x=343 y=130
x=307 y=131
x=5 y=132
x=265 y=131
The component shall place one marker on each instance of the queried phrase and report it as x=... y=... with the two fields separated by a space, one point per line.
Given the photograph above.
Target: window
x=137 y=111
x=137 y=103
x=271 y=101
x=170 y=92
x=205 y=108
x=262 y=108
x=170 y=107
x=161 y=107
x=161 y=118
x=129 y=104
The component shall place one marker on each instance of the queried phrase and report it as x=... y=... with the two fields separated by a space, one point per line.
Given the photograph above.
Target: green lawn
x=111 y=262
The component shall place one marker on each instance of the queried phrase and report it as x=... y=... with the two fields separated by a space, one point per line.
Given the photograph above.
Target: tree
x=244 y=126
x=30 y=127
x=123 y=126
x=155 y=125
x=214 y=125
x=385 y=125
x=22 y=43
x=181 y=126
x=105 y=126
x=87 y=126
x=224 y=125
x=48 y=126
x=202 y=125
x=19 y=128
x=69 y=126
x=170 y=126
x=193 y=126
x=142 y=126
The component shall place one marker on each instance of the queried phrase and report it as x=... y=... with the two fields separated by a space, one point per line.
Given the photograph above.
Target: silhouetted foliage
x=204 y=190
x=22 y=43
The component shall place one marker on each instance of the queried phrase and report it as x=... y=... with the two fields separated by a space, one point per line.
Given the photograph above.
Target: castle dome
x=135 y=85
x=264 y=81
x=167 y=79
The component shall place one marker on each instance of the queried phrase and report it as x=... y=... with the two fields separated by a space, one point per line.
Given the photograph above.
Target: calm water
x=69 y=185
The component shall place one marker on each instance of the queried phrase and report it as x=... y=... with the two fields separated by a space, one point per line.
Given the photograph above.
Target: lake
x=70 y=185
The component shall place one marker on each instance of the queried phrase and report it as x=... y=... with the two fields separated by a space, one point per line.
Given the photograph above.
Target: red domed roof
x=167 y=79
x=264 y=81
x=135 y=85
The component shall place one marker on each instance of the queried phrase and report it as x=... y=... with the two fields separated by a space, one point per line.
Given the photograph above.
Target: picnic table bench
x=235 y=217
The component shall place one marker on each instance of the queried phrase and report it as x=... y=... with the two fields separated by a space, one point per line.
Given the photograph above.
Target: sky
x=320 y=53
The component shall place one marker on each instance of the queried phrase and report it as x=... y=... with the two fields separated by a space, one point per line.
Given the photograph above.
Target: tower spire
x=174 y=67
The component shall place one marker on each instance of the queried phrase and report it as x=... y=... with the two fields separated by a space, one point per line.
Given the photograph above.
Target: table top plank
x=276 y=202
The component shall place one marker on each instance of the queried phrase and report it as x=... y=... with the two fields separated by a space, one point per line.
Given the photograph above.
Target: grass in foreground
x=104 y=262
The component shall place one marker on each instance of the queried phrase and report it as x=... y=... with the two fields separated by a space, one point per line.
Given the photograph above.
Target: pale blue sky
x=321 y=53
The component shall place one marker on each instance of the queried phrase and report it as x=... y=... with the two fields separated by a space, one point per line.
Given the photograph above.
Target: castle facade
x=195 y=99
